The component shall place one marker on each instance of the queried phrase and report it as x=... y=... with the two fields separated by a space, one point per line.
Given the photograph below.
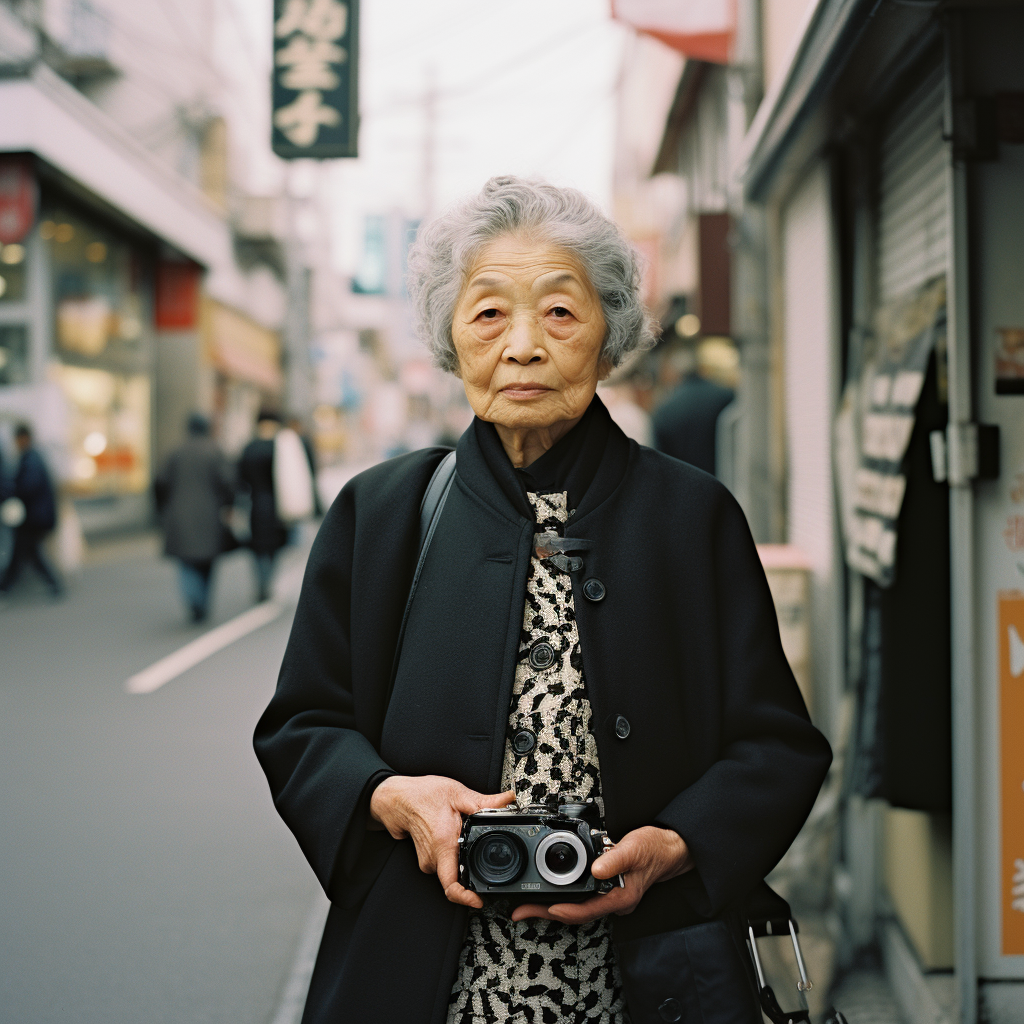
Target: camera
x=539 y=854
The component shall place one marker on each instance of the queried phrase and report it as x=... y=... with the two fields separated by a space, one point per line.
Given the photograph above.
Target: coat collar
x=486 y=470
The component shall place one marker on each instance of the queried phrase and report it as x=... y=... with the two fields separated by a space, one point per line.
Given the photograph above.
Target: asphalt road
x=144 y=874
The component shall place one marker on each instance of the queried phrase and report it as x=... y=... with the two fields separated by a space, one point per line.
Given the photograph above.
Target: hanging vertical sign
x=1011 y=727
x=316 y=77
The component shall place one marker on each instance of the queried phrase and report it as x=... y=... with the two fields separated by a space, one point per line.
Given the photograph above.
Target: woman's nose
x=523 y=345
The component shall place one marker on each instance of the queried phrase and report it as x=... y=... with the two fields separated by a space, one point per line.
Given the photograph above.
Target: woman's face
x=528 y=331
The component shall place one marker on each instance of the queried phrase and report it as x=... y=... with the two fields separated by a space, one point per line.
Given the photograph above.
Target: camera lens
x=498 y=858
x=561 y=858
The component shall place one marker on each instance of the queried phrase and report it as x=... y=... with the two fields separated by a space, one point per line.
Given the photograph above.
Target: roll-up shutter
x=913 y=214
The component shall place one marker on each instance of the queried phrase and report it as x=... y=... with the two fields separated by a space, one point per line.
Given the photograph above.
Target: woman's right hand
x=429 y=809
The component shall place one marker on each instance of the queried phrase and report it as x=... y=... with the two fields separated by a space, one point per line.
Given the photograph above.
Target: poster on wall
x=1010 y=361
x=316 y=75
x=1011 y=727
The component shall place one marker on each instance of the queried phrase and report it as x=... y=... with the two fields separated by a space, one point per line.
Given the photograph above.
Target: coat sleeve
x=741 y=815
x=320 y=767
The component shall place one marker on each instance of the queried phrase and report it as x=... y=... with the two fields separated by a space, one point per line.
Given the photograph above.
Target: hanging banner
x=17 y=198
x=1011 y=727
x=703 y=29
x=316 y=78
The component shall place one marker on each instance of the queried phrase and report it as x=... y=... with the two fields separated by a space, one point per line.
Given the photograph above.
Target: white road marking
x=181 y=660
x=296 y=986
x=286 y=590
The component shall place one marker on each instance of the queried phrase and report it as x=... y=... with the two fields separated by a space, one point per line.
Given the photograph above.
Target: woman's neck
x=524 y=445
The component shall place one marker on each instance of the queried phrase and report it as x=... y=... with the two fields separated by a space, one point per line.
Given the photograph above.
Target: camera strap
x=430 y=513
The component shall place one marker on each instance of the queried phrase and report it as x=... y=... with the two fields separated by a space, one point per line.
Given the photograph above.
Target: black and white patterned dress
x=537 y=971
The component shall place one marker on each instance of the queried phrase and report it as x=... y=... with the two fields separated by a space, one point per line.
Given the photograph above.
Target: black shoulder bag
x=430 y=512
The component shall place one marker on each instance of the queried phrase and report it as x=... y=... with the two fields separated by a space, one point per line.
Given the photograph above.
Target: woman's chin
x=522 y=410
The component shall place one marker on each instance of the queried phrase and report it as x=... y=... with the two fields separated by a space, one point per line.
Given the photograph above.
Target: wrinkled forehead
x=515 y=261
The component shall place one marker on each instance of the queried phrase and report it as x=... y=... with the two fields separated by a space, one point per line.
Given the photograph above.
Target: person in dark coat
x=640 y=667
x=686 y=424
x=256 y=472
x=194 y=487
x=34 y=488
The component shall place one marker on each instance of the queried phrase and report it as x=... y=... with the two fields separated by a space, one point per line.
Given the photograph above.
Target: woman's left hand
x=643 y=857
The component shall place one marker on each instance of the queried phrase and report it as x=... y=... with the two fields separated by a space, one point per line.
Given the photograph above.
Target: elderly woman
x=645 y=671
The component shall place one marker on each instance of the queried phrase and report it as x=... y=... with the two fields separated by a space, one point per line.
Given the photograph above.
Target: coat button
x=523 y=741
x=594 y=589
x=622 y=729
x=542 y=655
x=670 y=1010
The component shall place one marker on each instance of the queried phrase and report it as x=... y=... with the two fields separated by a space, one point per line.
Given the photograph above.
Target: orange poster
x=1011 y=730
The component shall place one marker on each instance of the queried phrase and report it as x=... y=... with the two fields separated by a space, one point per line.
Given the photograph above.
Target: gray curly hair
x=445 y=248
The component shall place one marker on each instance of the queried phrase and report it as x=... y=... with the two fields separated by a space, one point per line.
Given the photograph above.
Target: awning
x=44 y=115
x=697 y=28
x=240 y=347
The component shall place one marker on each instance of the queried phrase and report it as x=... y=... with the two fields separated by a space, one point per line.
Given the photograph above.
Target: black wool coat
x=684 y=646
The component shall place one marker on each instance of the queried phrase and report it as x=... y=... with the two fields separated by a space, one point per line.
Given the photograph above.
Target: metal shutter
x=913 y=214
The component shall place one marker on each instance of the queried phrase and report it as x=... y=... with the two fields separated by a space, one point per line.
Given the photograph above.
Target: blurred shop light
x=95 y=443
x=84 y=468
x=688 y=325
x=3 y=285
x=13 y=253
x=47 y=230
x=63 y=233
x=95 y=252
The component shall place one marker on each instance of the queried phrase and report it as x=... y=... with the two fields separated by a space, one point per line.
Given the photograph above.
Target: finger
x=456 y=893
x=619 y=901
x=526 y=910
x=617 y=861
x=469 y=801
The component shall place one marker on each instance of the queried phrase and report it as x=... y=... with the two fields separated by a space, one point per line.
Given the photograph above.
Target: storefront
x=890 y=166
x=88 y=219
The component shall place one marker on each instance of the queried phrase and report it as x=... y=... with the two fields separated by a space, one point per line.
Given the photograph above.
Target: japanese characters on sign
x=315 y=111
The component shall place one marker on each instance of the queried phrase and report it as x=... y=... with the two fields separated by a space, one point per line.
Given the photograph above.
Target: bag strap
x=430 y=514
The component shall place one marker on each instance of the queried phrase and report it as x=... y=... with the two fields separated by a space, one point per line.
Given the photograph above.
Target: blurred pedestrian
x=194 y=486
x=38 y=516
x=686 y=424
x=307 y=444
x=256 y=471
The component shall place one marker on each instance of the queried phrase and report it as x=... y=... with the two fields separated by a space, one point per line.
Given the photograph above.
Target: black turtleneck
x=569 y=465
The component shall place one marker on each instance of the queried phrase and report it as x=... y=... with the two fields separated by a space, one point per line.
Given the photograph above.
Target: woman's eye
x=560 y=312
x=489 y=314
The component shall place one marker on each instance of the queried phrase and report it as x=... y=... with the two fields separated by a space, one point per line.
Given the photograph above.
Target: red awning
x=704 y=29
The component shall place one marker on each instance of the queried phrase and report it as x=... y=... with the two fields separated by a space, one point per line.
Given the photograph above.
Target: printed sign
x=1011 y=728
x=315 y=97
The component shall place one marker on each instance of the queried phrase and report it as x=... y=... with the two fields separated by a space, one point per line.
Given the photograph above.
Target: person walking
x=194 y=485
x=34 y=489
x=256 y=471
x=686 y=425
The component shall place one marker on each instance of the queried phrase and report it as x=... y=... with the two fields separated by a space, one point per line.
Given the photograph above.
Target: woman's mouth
x=524 y=390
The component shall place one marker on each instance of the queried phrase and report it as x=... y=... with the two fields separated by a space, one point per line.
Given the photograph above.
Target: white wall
x=810 y=347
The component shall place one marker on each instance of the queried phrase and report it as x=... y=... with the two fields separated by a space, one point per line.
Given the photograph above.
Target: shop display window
x=99 y=313
x=109 y=430
x=12 y=273
x=13 y=354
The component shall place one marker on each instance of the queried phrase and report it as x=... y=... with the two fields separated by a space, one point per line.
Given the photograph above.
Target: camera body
x=535 y=854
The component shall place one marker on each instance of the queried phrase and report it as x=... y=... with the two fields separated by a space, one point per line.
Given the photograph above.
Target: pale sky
x=524 y=88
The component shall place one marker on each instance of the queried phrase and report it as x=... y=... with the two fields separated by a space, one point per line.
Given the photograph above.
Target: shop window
x=13 y=354
x=109 y=430
x=12 y=273
x=97 y=290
